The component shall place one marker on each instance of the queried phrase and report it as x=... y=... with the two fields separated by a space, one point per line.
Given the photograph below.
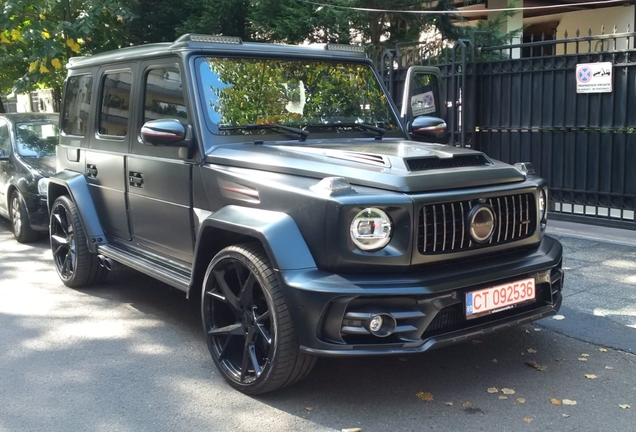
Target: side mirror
x=428 y=127
x=164 y=132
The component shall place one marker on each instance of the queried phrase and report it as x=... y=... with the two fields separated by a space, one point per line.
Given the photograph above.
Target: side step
x=166 y=271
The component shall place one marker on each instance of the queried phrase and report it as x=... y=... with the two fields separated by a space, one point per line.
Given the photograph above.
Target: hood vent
x=460 y=161
x=365 y=158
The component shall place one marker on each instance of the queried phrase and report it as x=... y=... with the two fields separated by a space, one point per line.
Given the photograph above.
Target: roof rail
x=188 y=37
x=344 y=47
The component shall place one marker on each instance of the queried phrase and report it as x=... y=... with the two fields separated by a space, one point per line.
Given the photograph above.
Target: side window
x=5 y=140
x=77 y=103
x=164 y=95
x=115 y=106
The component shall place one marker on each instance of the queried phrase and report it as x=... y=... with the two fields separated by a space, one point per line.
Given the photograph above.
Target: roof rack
x=188 y=37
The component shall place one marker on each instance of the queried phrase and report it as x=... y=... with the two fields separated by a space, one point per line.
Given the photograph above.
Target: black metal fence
x=520 y=103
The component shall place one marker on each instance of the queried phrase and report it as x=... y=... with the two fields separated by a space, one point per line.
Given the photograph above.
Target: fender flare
x=75 y=185
x=278 y=233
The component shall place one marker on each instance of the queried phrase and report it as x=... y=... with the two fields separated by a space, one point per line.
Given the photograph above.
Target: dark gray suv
x=279 y=185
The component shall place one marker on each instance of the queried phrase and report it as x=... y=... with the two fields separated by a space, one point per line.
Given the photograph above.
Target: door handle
x=135 y=179
x=91 y=170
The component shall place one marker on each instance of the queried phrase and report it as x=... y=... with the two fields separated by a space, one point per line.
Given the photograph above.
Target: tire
x=20 y=219
x=247 y=325
x=74 y=263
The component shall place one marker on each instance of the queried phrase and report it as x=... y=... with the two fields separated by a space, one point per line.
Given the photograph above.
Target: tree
x=158 y=20
x=39 y=37
x=221 y=17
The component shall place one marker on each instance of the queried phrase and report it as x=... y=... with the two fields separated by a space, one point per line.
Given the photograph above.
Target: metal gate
x=520 y=103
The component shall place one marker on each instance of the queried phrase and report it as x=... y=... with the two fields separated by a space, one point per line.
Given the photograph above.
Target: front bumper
x=428 y=305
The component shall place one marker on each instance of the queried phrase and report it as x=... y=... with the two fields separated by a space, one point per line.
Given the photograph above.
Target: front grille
x=431 y=163
x=444 y=228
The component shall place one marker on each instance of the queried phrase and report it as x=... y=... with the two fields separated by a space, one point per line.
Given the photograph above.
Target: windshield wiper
x=367 y=127
x=303 y=134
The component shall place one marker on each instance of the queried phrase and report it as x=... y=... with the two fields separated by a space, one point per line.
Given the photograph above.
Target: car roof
x=222 y=45
x=26 y=117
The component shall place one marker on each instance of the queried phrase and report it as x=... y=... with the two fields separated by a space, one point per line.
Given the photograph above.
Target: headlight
x=43 y=187
x=371 y=229
x=543 y=204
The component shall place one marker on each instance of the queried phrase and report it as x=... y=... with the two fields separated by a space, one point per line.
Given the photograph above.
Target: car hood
x=397 y=165
x=45 y=165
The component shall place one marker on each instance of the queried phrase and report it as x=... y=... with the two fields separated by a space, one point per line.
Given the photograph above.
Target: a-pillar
x=512 y=23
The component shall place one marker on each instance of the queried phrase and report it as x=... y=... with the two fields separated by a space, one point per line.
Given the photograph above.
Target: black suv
x=278 y=184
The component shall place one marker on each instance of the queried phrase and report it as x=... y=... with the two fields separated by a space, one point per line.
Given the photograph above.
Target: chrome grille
x=444 y=228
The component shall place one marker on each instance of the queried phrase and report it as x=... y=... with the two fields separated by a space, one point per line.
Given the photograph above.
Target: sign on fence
x=594 y=78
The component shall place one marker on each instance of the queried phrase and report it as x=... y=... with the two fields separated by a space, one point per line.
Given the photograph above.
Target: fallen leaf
x=521 y=400
x=309 y=409
x=609 y=367
x=625 y=406
x=537 y=366
x=558 y=317
x=507 y=391
x=528 y=331
x=467 y=405
x=537 y=329
x=494 y=360
x=425 y=396
x=527 y=419
x=352 y=430
x=585 y=355
x=554 y=401
x=532 y=351
x=492 y=390
x=566 y=415
x=568 y=402
x=590 y=376
x=583 y=359
x=602 y=349
x=448 y=403
x=503 y=397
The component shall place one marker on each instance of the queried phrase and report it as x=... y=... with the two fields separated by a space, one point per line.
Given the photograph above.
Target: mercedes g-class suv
x=280 y=186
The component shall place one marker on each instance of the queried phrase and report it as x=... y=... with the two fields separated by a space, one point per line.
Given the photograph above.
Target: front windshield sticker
x=308 y=95
x=423 y=104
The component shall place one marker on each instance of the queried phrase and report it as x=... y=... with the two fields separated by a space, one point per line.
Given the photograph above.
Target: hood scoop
x=457 y=161
x=360 y=157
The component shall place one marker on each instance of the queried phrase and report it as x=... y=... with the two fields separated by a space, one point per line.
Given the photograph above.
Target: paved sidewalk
x=600 y=284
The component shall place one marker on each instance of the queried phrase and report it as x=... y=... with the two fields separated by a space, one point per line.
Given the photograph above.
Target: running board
x=166 y=271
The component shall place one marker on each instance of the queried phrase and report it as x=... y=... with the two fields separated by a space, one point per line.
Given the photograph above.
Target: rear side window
x=164 y=95
x=115 y=106
x=77 y=103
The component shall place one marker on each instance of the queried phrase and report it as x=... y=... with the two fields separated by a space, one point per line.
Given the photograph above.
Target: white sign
x=423 y=104
x=594 y=78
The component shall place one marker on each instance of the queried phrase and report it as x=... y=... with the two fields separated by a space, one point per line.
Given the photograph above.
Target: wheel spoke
x=216 y=295
x=230 y=298
x=224 y=350
x=246 y=360
x=245 y=295
x=267 y=337
x=65 y=264
x=230 y=330
x=61 y=241
x=261 y=318
x=254 y=360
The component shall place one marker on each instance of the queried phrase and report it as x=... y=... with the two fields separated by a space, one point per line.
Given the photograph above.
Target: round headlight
x=371 y=229
x=543 y=204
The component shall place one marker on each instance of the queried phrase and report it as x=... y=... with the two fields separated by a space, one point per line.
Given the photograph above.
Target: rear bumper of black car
x=427 y=308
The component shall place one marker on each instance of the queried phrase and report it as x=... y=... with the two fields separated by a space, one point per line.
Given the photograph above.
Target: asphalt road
x=128 y=355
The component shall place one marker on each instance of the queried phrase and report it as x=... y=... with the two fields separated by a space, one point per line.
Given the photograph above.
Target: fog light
x=381 y=325
x=376 y=324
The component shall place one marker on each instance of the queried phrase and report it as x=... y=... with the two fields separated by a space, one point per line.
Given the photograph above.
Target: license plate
x=499 y=298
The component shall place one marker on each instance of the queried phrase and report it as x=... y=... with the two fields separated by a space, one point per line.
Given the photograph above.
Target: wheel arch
x=74 y=184
x=277 y=233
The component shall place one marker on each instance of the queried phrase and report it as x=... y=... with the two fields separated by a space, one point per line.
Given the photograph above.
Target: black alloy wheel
x=20 y=219
x=74 y=263
x=247 y=325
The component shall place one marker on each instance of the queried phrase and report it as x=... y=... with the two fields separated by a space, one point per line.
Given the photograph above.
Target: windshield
x=36 y=138
x=305 y=94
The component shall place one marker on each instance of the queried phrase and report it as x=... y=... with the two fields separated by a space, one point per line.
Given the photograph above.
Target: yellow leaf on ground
x=609 y=367
x=566 y=415
x=507 y=391
x=56 y=63
x=568 y=402
x=352 y=430
x=467 y=405
x=585 y=355
x=527 y=420
x=554 y=401
x=521 y=400
x=602 y=349
x=583 y=359
x=33 y=66
x=532 y=351
x=590 y=376
x=503 y=397
x=425 y=396
x=537 y=366
x=625 y=406
x=309 y=409
x=448 y=403
x=492 y=390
